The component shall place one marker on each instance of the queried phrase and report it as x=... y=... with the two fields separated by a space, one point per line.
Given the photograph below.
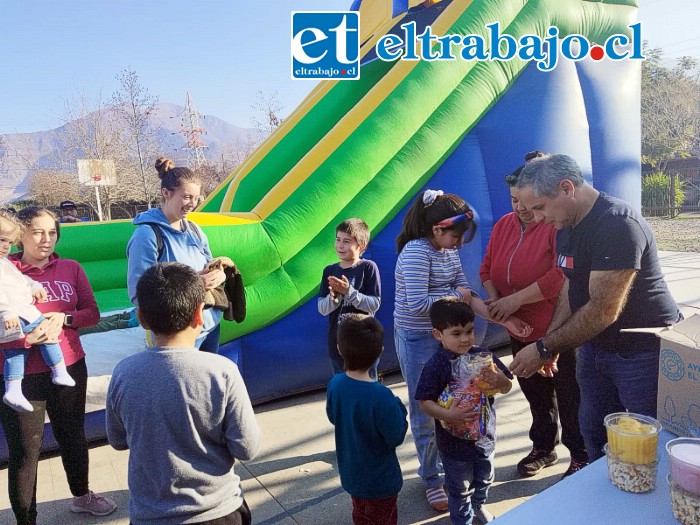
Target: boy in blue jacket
x=370 y=422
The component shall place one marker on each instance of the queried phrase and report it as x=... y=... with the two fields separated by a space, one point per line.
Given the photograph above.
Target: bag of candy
x=467 y=390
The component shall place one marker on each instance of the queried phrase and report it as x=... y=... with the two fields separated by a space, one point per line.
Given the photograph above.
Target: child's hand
x=331 y=292
x=495 y=380
x=550 y=368
x=501 y=309
x=518 y=327
x=40 y=296
x=461 y=416
x=341 y=286
x=11 y=323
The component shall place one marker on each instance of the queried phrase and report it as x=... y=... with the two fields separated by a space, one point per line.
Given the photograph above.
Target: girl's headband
x=429 y=196
x=451 y=221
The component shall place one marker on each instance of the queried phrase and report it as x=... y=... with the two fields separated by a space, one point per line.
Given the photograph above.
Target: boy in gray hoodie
x=184 y=415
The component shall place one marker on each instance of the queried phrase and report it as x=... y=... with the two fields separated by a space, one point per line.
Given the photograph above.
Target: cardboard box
x=678 y=405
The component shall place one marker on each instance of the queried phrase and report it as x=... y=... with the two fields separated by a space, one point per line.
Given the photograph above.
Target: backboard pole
x=99 y=206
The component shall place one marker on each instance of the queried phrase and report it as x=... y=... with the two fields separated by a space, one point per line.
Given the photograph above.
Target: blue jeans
x=209 y=342
x=612 y=382
x=338 y=367
x=467 y=485
x=15 y=360
x=414 y=349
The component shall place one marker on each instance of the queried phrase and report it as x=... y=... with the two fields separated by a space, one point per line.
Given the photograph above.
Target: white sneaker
x=94 y=504
x=483 y=515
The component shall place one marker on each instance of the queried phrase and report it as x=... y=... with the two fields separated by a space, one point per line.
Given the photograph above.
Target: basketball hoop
x=97 y=172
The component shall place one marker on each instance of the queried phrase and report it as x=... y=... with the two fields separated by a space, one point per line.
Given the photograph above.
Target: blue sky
x=222 y=51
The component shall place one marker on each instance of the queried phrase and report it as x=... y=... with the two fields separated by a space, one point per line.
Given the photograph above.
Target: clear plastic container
x=684 y=457
x=685 y=506
x=630 y=477
x=633 y=438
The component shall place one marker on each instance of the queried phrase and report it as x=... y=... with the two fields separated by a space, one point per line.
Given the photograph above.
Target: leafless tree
x=134 y=107
x=269 y=109
x=49 y=187
x=91 y=131
x=3 y=156
x=213 y=174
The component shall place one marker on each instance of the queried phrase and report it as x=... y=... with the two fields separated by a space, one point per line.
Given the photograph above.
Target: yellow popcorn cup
x=633 y=438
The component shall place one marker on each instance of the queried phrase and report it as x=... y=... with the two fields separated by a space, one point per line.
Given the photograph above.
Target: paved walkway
x=294 y=479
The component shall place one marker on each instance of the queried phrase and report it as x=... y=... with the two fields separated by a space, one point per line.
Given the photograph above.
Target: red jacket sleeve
x=485 y=269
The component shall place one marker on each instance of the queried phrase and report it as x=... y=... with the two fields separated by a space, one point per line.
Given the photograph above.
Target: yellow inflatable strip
x=319 y=91
x=349 y=123
x=223 y=219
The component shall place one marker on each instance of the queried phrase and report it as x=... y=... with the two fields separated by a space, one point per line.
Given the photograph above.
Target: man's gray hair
x=544 y=174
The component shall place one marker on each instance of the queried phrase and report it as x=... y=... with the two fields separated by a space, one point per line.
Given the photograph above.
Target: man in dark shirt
x=614 y=281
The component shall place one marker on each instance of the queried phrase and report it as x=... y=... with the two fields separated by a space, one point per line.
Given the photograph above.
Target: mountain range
x=18 y=151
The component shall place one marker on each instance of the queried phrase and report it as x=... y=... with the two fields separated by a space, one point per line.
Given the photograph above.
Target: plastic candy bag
x=467 y=390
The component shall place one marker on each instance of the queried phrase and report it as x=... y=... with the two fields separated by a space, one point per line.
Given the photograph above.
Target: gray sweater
x=186 y=416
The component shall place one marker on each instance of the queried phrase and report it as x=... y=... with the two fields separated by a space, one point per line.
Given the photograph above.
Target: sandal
x=437 y=498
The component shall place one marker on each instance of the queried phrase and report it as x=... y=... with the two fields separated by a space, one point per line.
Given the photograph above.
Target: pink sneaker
x=94 y=504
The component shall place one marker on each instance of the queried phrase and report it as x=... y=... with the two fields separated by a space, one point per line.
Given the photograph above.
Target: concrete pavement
x=294 y=479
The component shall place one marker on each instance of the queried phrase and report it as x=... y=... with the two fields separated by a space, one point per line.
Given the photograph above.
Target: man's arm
x=608 y=291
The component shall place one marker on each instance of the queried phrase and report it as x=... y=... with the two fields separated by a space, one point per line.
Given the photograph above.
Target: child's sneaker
x=437 y=498
x=94 y=504
x=483 y=515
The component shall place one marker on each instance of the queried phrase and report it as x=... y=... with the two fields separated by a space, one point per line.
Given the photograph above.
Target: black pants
x=240 y=516
x=551 y=400
x=24 y=432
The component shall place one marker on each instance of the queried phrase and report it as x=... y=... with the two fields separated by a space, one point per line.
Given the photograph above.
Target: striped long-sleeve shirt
x=424 y=275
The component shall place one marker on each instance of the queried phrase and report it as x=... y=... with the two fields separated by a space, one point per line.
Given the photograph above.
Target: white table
x=588 y=497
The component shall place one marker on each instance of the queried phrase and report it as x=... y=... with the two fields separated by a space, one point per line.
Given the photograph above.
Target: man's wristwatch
x=545 y=355
x=68 y=321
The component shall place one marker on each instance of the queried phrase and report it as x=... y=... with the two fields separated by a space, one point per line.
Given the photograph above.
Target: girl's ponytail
x=430 y=208
x=413 y=224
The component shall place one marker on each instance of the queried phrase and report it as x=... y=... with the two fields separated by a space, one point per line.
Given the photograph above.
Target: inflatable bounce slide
x=365 y=148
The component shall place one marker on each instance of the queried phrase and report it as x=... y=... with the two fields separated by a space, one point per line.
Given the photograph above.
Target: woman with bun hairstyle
x=180 y=241
x=428 y=268
x=69 y=305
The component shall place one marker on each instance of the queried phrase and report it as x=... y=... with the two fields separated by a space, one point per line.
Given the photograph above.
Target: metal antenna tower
x=192 y=132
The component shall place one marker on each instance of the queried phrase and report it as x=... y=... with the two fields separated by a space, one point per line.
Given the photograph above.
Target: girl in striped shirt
x=428 y=268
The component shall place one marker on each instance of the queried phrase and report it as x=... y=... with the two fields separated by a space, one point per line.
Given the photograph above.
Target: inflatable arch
x=365 y=148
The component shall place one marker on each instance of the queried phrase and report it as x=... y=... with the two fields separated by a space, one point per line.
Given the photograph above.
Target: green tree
x=670 y=108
